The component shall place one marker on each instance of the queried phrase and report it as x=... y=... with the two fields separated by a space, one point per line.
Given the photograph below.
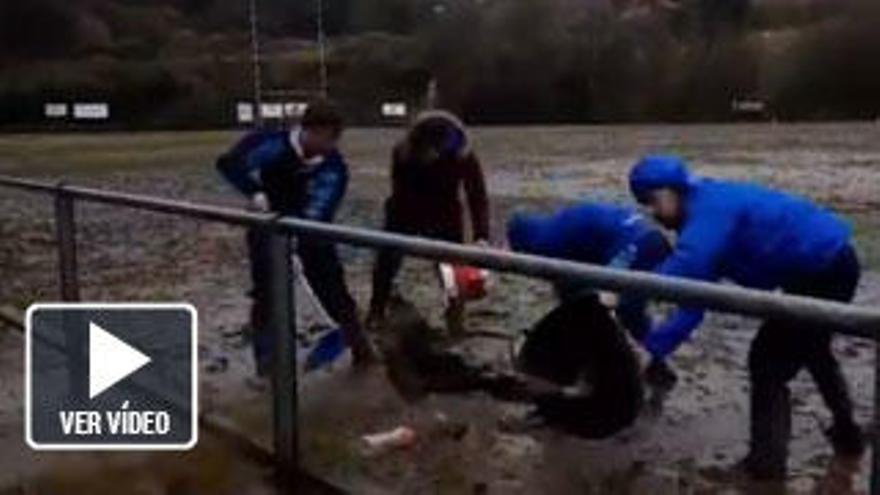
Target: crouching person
x=429 y=167
x=761 y=239
x=297 y=172
x=601 y=234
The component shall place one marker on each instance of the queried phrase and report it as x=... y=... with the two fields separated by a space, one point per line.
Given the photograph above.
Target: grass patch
x=97 y=153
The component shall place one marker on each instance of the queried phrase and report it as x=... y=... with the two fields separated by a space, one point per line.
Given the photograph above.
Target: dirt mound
x=596 y=385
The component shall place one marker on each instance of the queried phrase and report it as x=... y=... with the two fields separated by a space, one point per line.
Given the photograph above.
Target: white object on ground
x=377 y=443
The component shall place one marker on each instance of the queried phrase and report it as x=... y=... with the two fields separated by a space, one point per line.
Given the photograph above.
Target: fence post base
x=284 y=383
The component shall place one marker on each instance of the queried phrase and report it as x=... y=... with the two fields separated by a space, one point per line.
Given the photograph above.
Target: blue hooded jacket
x=752 y=235
x=589 y=232
x=599 y=234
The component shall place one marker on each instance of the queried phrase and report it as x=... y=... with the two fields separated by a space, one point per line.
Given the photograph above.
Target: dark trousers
x=781 y=349
x=389 y=261
x=325 y=275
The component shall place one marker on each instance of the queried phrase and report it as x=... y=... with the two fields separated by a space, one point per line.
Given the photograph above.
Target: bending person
x=429 y=167
x=601 y=234
x=762 y=239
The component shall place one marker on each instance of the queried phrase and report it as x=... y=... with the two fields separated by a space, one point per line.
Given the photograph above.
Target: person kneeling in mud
x=429 y=167
x=763 y=239
x=601 y=234
x=300 y=173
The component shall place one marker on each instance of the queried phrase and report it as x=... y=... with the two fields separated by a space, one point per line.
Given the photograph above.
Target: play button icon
x=111 y=377
x=110 y=360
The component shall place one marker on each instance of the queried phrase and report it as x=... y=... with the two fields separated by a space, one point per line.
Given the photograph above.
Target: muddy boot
x=841 y=477
x=770 y=432
x=847 y=439
x=257 y=383
x=745 y=477
x=752 y=467
x=363 y=354
x=660 y=376
x=261 y=381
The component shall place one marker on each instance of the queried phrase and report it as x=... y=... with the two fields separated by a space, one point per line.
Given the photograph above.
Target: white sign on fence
x=272 y=110
x=91 y=111
x=748 y=106
x=394 y=109
x=294 y=109
x=244 y=112
x=55 y=110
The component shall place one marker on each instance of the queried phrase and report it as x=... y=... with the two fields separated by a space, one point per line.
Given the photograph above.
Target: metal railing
x=843 y=318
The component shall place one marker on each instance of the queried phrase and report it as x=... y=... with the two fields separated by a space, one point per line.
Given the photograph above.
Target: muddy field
x=683 y=448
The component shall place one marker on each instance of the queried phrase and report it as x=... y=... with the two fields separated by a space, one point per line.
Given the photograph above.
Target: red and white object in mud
x=463 y=283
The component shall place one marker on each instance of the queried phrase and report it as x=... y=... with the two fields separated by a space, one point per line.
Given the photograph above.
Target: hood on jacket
x=657 y=172
x=440 y=129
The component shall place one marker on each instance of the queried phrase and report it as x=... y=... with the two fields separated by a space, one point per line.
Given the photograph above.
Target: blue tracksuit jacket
x=754 y=236
x=266 y=161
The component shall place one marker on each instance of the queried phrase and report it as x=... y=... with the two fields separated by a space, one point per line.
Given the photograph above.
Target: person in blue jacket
x=602 y=234
x=764 y=239
x=301 y=173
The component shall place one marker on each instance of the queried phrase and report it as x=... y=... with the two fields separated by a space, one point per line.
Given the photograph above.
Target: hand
x=608 y=299
x=259 y=202
x=659 y=375
x=482 y=243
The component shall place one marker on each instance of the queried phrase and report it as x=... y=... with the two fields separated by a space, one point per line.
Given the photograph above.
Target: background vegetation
x=184 y=63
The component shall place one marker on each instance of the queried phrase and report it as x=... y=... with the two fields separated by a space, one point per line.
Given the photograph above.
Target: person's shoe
x=748 y=475
x=847 y=440
x=259 y=383
x=363 y=355
x=841 y=476
x=660 y=377
x=761 y=471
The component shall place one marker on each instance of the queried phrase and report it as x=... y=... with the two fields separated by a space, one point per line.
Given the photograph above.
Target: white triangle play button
x=110 y=360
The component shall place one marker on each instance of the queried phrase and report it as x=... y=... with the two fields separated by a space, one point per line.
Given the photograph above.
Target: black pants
x=781 y=349
x=325 y=275
x=389 y=261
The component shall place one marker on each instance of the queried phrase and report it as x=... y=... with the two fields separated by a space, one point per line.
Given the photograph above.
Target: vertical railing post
x=65 y=232
x=875 y=434
x=284 y=386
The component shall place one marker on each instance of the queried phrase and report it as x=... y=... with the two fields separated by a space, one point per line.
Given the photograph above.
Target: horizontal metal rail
x=845 y=318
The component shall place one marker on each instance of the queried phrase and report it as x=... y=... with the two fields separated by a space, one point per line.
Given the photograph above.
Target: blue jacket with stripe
x=265 y=161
